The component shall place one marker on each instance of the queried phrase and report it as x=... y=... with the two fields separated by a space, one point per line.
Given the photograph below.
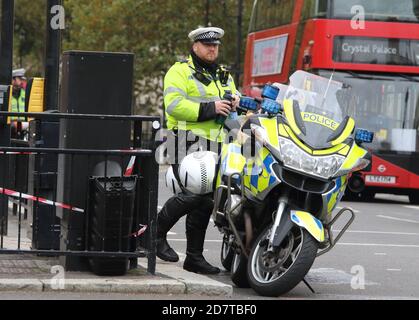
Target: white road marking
x=397 y=219
x=380 y=254
x=339 y=243
x=172 y=233
x=184 y=240
x=378 y=245
x=398 y=270
x=412 y=207
x=379 y=232
x=159 y=208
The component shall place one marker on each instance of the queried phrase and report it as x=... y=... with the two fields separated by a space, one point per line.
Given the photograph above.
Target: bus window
x=271 y=13
x=314 y=9
x=388 y=105
x=381 y=10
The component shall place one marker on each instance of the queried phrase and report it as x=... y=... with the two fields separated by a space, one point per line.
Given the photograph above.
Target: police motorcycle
x=280 y=176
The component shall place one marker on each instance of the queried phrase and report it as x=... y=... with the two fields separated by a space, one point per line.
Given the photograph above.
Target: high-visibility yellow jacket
x=18 y=105
x=183 y=95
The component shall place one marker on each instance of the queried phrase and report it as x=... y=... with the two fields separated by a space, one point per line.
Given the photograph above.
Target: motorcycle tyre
x=226 y=258
x=293 y=276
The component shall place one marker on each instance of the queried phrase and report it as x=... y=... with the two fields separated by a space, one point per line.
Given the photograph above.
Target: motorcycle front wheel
x=275 y=271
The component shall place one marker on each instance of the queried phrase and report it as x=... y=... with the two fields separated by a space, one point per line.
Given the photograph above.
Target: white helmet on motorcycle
x=171 y=181
x=198 y=171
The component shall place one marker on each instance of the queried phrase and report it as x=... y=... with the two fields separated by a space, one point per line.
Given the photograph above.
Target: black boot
x=165 y=222
x=174 y=209
x=195 y=235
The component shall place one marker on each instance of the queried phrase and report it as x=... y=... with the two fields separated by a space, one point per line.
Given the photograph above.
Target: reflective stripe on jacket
x=183 y=95
x=18 y=105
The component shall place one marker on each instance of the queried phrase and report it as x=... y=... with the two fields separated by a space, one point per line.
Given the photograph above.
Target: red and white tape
x=140 y=232
x=15 y=194
x=130 y=168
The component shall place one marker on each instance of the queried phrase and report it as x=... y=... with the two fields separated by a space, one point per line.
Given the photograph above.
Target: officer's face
x=17 y=82
x=206 y=51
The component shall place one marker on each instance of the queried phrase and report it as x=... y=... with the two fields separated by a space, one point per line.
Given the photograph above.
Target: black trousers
x=198 y=208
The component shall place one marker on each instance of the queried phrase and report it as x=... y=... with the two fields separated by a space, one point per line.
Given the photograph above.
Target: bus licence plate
x=381 y=179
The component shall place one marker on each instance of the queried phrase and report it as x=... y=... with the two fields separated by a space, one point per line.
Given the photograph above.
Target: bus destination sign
x=384 y=51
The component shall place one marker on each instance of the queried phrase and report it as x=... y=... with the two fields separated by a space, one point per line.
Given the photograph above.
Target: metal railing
x=99 y=173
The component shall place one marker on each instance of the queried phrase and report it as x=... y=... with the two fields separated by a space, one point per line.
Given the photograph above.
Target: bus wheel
x=414 y=197
x=367 y=196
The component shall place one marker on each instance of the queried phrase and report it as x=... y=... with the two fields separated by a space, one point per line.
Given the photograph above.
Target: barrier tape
x=140 y=232
x=15 y=194
x=130 y=168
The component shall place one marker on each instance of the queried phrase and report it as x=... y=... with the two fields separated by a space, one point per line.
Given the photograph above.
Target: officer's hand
x=223 y=107
x=235 y=103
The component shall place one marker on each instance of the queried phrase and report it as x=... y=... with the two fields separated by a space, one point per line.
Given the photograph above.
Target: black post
x=147 y=169
x=239 y=41
x=207 y=13
x=52 y=59
x=44 y=133
x=6 y=65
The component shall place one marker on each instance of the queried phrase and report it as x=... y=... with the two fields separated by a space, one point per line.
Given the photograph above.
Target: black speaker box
x=92 y=83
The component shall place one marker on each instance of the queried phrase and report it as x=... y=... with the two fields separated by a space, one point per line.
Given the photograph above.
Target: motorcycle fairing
x=332 y=198
x=286 y=132
x=356 y=153
x=258 y=175
x=232 y=160
x=311 y=224
x=303 y=124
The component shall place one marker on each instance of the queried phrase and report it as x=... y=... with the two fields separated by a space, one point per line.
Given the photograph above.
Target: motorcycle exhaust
x=356 y=184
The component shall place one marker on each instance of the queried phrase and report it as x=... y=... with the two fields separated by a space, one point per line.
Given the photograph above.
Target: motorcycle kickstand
x=309 y=286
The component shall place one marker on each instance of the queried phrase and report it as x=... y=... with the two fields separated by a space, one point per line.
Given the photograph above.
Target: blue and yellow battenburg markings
x=258 y=174
x=334 y=196
x=310 y=223
x=232 y=161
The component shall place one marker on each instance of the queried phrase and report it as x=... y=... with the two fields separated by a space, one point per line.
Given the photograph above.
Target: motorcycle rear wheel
x=274 y=273
x=227 y=254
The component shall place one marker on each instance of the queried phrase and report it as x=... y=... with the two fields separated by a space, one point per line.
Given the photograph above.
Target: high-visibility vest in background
x=183 y=95
x=18 y=105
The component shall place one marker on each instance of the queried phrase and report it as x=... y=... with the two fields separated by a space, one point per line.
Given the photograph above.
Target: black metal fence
x=99 y=205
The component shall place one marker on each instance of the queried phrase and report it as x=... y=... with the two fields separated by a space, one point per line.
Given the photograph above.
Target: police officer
x=19 y=93
x=18 y=124
x=193 y=96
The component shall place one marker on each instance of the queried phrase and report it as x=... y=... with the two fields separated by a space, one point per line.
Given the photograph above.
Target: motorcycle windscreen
x=318 y=109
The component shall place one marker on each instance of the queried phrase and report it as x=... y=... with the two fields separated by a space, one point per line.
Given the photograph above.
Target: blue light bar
x=270 y=92
x=364 y=136
x=248 y=103
x=271 y=106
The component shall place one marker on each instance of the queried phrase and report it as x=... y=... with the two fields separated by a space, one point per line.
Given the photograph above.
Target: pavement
x=31 y=273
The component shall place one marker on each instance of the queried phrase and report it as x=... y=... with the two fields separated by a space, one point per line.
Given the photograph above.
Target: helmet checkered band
x=208 y=35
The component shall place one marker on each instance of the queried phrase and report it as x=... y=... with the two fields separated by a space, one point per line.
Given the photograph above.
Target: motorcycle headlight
x=293 y=157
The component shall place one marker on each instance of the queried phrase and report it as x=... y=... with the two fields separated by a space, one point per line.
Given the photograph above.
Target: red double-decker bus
x=371 y=45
